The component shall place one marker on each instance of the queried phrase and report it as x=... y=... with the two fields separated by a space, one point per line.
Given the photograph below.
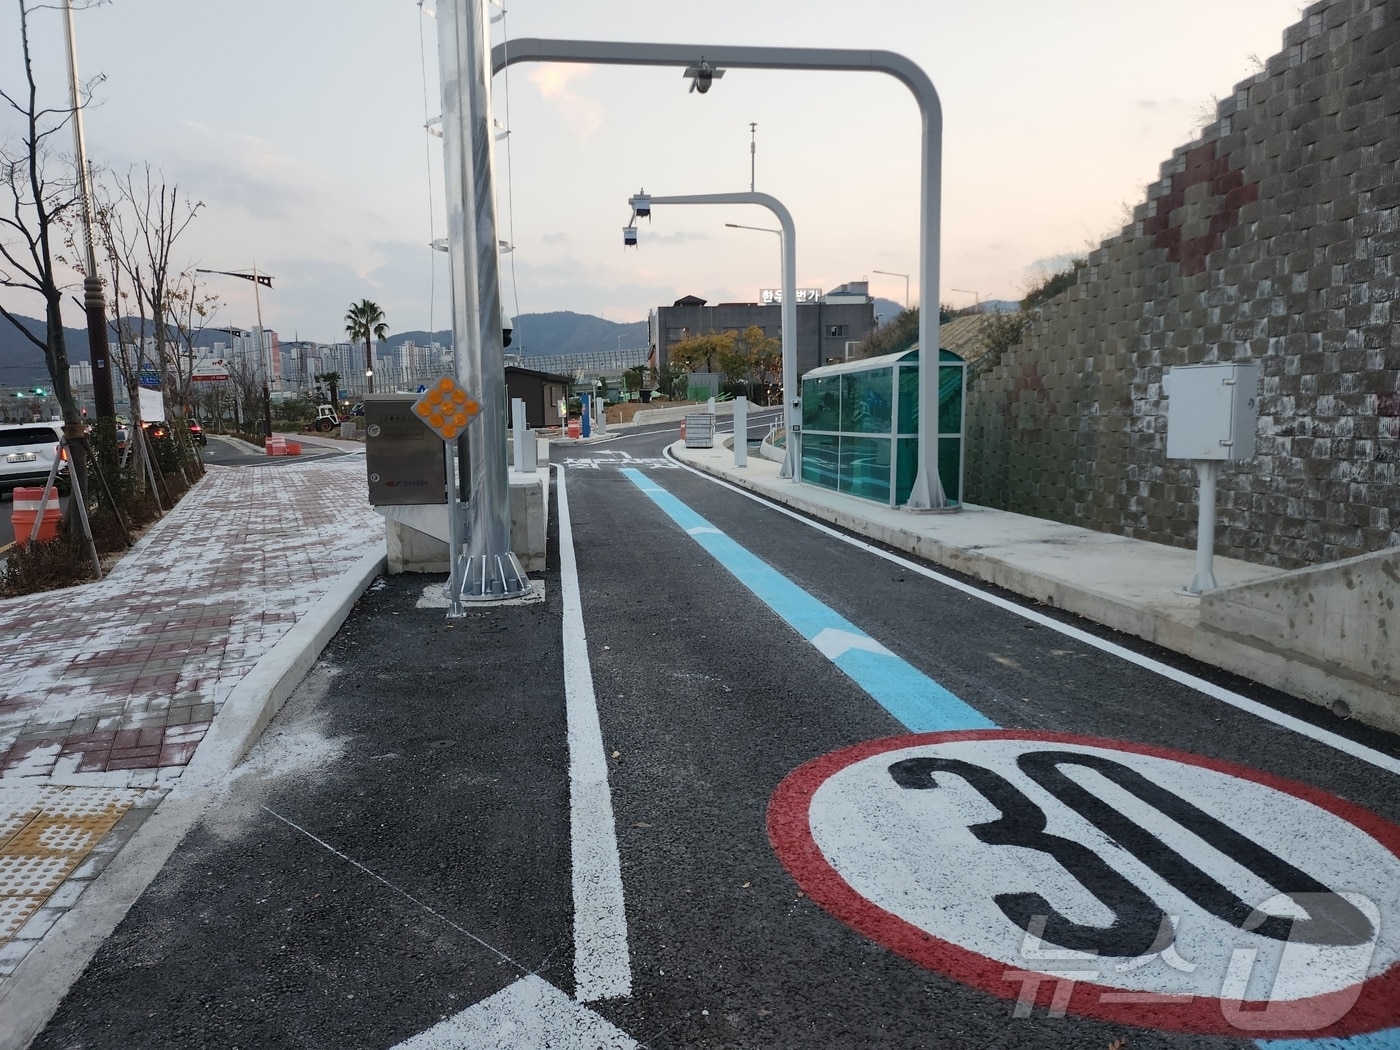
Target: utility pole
x=94 y=303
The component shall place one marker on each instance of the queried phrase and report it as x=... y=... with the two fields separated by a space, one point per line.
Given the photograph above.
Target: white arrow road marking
x=602 y=962
x=529 y=1013
x=834 y=643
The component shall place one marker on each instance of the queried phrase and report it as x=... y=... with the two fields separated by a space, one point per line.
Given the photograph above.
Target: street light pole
x=792 y=455
x=264 y=358
x=891 y=273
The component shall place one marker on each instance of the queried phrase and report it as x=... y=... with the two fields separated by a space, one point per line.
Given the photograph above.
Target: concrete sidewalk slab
x=141 y=690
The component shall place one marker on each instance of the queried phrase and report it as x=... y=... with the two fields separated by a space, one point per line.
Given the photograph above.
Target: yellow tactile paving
x=44 y=835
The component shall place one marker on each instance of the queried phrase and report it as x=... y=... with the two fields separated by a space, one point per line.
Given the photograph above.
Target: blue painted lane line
x=912 y=697
x=908 y=694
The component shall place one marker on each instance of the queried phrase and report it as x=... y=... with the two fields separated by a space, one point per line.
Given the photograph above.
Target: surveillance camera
x=702 y=76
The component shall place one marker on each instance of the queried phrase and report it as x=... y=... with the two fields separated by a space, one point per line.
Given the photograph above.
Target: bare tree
x=40 y=202
x=246 y=380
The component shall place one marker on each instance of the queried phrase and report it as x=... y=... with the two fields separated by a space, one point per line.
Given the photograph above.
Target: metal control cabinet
x=1212 y=411
x=406 y=462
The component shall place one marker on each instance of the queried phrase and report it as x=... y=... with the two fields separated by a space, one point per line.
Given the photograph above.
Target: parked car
x=27 y=454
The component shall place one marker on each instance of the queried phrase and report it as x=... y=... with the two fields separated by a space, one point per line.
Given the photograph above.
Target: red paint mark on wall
x=1029 y=381
x=1229 y=193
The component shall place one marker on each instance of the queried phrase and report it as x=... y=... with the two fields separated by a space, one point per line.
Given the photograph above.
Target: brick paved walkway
x=107 y=689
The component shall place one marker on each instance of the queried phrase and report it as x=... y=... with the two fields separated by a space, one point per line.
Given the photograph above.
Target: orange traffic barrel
x=574 y=428
x=26 y=509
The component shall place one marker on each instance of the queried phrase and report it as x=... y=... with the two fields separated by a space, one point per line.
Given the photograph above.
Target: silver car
x=27 y=453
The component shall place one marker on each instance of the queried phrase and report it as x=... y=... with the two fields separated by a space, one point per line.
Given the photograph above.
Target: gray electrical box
x=406 y=462
x=1212 y=411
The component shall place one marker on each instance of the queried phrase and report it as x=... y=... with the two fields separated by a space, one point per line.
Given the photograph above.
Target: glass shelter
x=860 y=426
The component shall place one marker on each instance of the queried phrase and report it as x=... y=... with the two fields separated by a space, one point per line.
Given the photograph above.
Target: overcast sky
x=299 y=125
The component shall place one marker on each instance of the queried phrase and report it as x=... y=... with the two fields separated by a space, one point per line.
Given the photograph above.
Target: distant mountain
x=886 y=310
x=564 y=332
x=535 y=335
x=548 y=334
x=22 y=363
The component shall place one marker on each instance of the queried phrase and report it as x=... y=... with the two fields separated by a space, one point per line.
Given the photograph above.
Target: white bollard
x=741 y=432
x=517 y=425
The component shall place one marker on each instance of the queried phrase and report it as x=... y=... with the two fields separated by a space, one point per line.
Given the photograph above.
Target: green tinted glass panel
x=950 y=400
x=865 y=468
x=908 y=399
x=949 y=467
x=821 y=403
x=819 y=459
x=865 y=401
x=905 y=469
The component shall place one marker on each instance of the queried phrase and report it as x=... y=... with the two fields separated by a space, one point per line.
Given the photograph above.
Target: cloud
x=1049 y=264
x=555 y=238
x=554 y=83
x=679 y=237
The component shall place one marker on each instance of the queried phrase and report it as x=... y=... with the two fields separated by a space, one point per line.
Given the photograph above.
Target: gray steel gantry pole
x=491 y=571
x=928 y=491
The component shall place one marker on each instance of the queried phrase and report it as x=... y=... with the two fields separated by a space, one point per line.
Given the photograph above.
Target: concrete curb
x=33 y=993
x=1154 y=620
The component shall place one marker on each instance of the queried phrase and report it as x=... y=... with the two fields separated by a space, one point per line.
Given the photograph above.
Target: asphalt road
x=807 y=856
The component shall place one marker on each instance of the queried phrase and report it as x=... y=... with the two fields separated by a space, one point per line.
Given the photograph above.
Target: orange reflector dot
x=448 y=430
x=459 y=396
x=435 y=419
x=446 y=383
x=421 y=409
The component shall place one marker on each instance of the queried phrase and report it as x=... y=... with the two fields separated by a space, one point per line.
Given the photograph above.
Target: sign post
x=447 y=410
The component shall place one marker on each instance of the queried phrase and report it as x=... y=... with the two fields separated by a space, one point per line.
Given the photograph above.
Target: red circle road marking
x=1377 y=1005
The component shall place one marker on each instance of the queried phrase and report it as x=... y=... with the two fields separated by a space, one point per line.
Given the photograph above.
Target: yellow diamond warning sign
x=446 y=408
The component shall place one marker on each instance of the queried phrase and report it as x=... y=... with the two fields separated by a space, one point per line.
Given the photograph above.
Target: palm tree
x=365 y=320
x=332 y=380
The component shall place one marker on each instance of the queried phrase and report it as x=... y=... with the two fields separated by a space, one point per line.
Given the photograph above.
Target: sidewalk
x=110 y=690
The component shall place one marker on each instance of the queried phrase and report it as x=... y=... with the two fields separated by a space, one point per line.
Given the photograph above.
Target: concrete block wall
x=1272 y=238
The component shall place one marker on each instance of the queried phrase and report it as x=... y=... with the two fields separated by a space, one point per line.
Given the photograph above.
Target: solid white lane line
x=602 y=962
x=1215 y=692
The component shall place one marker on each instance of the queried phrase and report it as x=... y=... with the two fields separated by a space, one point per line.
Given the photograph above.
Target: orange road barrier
x=26 y=509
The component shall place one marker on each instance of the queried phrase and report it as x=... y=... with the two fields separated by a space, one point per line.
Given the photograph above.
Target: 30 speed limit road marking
x=1106 y=879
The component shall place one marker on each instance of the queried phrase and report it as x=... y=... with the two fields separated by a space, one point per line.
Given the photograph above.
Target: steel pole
x=927 y=493
x=464 y=58
x=792 y=461
x=264 y=359
x=94 y=302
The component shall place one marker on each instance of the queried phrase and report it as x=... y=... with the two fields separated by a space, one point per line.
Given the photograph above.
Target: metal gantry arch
x=927 y=493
